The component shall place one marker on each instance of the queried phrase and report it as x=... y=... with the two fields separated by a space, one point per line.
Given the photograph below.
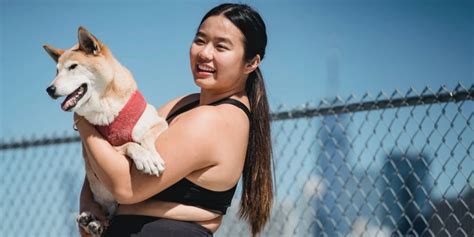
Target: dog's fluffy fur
x=98 y=87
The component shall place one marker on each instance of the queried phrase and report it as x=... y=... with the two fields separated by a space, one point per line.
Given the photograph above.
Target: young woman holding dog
x=213 y=138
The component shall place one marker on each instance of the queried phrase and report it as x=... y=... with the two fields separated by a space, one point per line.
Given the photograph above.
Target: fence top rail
x=27 y=143
x=337 y=106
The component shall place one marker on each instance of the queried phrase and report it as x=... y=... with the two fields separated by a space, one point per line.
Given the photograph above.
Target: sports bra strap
x=181 y=110
x=236 y=103
x=221 y=101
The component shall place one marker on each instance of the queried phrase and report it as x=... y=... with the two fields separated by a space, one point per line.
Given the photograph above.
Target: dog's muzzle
x=52 y=92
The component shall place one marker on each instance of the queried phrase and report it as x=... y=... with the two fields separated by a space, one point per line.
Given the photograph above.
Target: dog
x=104 y=92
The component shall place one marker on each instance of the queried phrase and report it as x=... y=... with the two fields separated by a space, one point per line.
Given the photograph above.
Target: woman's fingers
x=83 y=233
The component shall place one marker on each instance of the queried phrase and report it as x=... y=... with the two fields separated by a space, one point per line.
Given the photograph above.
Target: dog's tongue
x=68 y=103
x=71 y=99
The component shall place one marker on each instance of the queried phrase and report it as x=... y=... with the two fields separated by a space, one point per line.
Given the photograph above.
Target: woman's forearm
x=86 y=195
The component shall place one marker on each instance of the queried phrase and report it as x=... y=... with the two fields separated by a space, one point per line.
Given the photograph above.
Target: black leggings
x=148 y=226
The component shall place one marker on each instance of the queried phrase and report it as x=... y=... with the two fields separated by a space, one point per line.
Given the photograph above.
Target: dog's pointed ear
x=88 y=42
x=53 y=52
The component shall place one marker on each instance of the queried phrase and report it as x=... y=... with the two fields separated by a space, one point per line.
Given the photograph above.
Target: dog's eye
x=72 y=66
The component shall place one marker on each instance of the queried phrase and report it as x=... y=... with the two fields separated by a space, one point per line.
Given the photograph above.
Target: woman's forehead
x=220 y=27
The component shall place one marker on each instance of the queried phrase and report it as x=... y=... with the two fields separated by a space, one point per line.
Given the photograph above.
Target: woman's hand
x=83 y=233
x=76 y=119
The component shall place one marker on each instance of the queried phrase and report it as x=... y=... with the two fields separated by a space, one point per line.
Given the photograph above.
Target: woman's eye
x=72 y=67
x=198 y=41
x=221 y=47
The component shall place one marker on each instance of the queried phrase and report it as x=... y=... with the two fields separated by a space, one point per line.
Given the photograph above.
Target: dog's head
x=82 y=72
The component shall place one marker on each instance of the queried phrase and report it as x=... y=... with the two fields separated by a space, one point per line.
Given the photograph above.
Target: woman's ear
x=252 y=65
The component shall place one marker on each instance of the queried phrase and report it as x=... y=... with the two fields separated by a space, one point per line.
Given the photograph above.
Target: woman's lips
x=204 y=70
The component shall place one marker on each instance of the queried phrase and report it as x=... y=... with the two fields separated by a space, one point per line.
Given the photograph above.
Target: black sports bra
x=189 y=193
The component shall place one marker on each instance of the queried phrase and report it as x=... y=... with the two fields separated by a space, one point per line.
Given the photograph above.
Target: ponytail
x=257 y=191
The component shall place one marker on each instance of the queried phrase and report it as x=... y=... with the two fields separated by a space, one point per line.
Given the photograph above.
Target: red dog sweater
x=120 y=130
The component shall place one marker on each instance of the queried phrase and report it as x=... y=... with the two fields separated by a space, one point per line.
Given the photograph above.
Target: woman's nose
x=205 y=53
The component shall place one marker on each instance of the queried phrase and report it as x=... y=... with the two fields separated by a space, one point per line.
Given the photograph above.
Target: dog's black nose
x=51 y=91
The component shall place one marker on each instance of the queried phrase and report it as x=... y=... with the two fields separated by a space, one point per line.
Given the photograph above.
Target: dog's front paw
x=158 y=163
x=146 y=161
x=150 y=164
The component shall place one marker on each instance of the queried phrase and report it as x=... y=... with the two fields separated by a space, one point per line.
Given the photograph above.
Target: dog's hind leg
x=90 y=223
x=95 y=228
x=84 y=219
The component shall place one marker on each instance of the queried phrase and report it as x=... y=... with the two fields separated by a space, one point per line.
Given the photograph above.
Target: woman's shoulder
x=201 y=127
x=208 y=117
x=218 y=121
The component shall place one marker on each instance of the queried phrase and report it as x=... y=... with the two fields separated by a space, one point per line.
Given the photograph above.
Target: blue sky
x=378 y=46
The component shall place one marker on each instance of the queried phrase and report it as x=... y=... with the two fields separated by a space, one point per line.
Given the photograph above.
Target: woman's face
x=217 y=56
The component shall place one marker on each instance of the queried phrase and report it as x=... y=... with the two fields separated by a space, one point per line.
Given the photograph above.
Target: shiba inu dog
x=101 y=90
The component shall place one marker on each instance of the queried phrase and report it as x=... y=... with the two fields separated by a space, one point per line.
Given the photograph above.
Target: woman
x=213 y=138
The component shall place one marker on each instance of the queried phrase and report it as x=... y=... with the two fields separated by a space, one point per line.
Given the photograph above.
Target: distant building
x=332 y=220
x=453 y=217
x=406 y=193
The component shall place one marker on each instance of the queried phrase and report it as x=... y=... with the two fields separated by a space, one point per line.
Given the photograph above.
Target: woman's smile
x=203 y=71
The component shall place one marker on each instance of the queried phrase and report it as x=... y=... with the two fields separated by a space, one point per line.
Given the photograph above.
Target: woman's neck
x=207 y=97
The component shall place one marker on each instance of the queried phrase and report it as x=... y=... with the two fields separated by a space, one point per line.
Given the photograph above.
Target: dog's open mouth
x=72 y=99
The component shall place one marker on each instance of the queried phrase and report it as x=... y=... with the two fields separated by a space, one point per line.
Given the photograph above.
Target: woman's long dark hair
x=257 y=191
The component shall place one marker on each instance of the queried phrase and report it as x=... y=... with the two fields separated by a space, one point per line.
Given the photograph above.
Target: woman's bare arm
x=187 y=146
x=156 y=208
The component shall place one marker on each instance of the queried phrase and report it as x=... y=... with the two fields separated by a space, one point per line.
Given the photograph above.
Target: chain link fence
x=395 y=164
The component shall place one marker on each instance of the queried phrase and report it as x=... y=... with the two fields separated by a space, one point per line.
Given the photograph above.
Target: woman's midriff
x=175 y=211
